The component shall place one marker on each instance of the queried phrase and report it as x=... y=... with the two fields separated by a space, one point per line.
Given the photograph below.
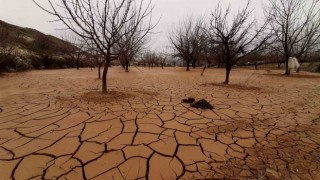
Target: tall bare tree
x=296 y=26
x=188 y=41
x=104 y=23
x=238 y=39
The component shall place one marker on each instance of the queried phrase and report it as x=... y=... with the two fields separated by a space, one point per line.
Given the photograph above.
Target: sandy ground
x=55 y=124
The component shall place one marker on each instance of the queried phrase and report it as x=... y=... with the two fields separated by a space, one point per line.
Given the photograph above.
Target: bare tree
x=275 y=55
x=154 y=59
x=238 y=39
x=132 y=45
x=296 y=26
x=150 y=58
x=188 y=41
x=162 y=58
x=104 y=23
x=99 y=61
x=255 y=59
x=209 y=54
x=94 y=54
x=77 y=49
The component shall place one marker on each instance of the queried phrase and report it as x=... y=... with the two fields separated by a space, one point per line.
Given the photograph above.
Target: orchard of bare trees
x=188 y=41
x=119 y=30
x=290 y=28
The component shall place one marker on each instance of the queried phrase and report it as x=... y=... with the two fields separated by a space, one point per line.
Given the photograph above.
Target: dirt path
x=54 y=124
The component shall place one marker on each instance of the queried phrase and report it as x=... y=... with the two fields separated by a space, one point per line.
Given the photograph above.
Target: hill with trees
x=25 y=48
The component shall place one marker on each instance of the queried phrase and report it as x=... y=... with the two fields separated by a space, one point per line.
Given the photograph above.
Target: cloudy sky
x=26 y=14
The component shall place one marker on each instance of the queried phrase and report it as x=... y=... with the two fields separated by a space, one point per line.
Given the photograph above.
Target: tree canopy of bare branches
x=188 y=41
x=296 y=27
x=104 y=23
x=235 y=40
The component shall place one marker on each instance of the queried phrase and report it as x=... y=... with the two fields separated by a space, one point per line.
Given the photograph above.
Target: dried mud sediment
x=55 y=124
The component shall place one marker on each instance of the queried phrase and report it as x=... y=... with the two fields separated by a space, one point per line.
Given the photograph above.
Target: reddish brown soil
x=56 y=124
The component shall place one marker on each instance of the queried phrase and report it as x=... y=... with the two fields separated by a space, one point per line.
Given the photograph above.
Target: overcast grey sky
x=26 y=14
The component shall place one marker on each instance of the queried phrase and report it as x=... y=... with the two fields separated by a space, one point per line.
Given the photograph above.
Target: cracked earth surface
x=54 y=125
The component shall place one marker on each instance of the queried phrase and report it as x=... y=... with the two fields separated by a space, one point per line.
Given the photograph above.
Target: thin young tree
x=162 y=58
x=296 y=26
x=209 y=54
x=154 y=59
x=132 y=45
x=188 y=41
x=76 y=50
x=150 y=58
x=93 y=53
x=275 y=55
x=104 y=23
x=99 y=61
x=236 y=39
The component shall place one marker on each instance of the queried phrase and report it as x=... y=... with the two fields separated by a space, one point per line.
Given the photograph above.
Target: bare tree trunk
x=228 y=69
x=209 y=64
x=99 y=70
x=127 y=65
x=279 y=65
x=256 y=65
x=298 y=70
x=194 y=64
x=204 y=68
x=188 y=66
x=104 y=76
x=78 y=63
x=287 y=66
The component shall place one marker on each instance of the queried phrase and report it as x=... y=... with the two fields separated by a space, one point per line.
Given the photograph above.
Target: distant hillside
x=25 y=48
x=33 y=40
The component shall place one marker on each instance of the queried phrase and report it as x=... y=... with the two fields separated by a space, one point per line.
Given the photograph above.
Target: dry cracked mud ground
x=56 y=125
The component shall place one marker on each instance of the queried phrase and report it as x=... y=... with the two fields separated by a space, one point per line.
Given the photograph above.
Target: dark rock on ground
x=202 y=104
x=189 y=100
